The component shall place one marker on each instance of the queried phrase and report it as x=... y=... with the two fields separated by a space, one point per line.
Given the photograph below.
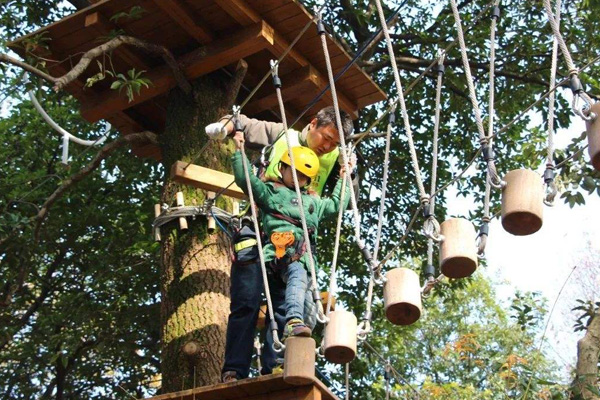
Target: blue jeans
x=279 y=292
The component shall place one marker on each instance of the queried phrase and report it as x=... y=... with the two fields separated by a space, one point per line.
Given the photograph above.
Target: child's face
x=288 y=178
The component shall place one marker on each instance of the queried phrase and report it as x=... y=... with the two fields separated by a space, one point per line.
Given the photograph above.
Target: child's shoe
x=296 y=327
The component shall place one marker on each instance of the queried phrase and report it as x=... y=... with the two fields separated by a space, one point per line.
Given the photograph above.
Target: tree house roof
x=204 y=36
x=263 y=387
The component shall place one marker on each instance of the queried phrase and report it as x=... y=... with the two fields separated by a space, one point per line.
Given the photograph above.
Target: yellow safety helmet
x=305 y=159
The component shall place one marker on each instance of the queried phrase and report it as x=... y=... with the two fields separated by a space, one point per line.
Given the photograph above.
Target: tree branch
x=29 y=68
x=112 y=44
x=140 y=137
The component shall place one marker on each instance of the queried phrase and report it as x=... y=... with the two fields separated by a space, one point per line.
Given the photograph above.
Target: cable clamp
x=429 y=271
x=275 y=72
x=320 y=24
x=496 y=13
x=549 y=174
x=367 y=316
x=575 y=84
x=488 y=153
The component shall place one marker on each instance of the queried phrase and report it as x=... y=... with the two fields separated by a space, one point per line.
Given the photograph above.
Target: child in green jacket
x=284 y=248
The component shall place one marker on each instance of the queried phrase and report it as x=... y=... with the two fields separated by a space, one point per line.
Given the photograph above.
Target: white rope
x=495 y=180
x=551 y=190
x=364 y=327
x=482 y=237
x=66 y=136
x=411 y=145
x=347 y=381
x=434 y=164
x=386 y=163
x=277 y=345
x=321 y=317
x=573 y=71
x=336 y=249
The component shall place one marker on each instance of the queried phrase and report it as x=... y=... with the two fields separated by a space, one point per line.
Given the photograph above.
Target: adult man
x=321 y=135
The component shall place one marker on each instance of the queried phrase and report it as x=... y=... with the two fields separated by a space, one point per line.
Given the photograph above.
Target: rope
x=551 y=190
x=347 y=381
x=494 y=179
x=336 y=249
x=361 y=244
x=386 y=362
x=413 y=152
x=316 y=294
x=484 y=230
x=386 y=162
x=277 y=345
x=436 y=128
x=576 y=87
x=418 y=79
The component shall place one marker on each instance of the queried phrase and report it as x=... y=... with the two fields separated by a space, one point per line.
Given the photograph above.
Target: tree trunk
x=195 y=264
x=586 y=371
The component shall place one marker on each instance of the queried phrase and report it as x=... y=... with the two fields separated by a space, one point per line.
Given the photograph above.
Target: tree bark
x=195 y=264
x=586 y=371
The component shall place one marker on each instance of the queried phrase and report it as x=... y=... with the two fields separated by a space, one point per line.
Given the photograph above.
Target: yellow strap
x=244 y=244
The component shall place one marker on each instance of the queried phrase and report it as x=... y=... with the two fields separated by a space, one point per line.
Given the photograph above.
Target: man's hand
x=216 y=131
x=239 y=140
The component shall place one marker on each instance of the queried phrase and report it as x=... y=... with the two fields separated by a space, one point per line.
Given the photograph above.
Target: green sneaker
x=296 y=327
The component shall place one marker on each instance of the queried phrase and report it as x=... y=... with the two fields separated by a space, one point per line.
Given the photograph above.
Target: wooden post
x=402 y=296
x=340 y=337
x=183 y=225
x=593 y=136
x=458 y=252
x=522 y=202
x=299 y=364
x=157 y=212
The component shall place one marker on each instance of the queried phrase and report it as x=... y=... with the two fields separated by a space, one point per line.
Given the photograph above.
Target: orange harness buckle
x=281 y=240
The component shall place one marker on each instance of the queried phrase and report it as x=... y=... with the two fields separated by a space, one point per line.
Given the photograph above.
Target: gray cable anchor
x=66 y=136
x=169 y=214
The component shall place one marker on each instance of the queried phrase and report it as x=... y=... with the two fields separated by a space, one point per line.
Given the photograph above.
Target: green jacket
x=274 y=197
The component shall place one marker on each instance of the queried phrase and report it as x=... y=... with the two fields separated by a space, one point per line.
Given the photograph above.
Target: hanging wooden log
x=402 y=296
x=340 y=337
x=183 y=225
x=522 y=202
x=299 y=360
x=458 y=251
x=593 y=136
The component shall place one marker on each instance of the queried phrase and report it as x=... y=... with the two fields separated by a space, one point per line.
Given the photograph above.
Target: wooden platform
x=268 y=387
x=204 y=36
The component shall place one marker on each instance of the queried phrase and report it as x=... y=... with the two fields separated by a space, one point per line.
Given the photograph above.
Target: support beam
x=206 y=179
x=199 y=62
x=179 y=12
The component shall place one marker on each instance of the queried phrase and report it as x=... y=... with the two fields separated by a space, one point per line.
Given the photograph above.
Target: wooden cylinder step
x=522 y=202
x=299 y=360
x=593 y=136
x=402 y=296
x=340 y=337
x=458 y=250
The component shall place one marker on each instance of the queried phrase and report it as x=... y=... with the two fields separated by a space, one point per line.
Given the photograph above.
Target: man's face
x=322 y=140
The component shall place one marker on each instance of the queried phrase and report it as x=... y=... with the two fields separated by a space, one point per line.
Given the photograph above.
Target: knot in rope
x=481 y=243
x=430 y=284
x=431 y=229
x=364 y=328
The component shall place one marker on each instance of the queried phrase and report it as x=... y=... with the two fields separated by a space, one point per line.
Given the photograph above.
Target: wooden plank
x=180 y=14
x=216 y=55
x=239 y=11
x=205 y=178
